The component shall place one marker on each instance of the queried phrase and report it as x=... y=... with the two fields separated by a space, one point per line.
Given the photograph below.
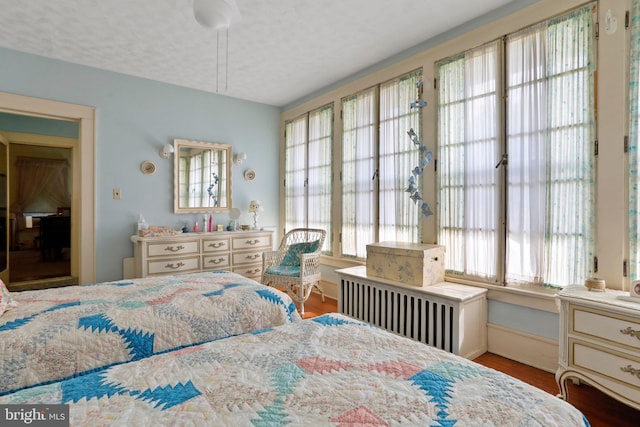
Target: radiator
x=437 y=315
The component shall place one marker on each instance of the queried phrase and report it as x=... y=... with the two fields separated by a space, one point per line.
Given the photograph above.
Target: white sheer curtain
x=358 y=173
x=203 y=171
x=41 y=182
x=319 y=171
x=399 y=218
x=550 y=169
x=527 y=125
x=468 y=149
x=295 y=173
x=551 y=198
x=195 y=180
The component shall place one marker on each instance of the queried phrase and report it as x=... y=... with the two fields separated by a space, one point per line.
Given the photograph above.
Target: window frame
x=502 y=80
x=373 y=227
x=305 y=143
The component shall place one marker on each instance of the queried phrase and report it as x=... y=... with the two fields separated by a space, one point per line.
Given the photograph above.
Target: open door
x=4 y=210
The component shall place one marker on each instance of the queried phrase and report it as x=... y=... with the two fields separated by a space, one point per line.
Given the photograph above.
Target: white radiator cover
x=448 y=316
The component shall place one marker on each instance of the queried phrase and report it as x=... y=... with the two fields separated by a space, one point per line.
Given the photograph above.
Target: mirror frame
x=177 y=144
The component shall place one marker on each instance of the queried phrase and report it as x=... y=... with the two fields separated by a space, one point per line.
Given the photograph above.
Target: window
x=358 y=172
x=377 y=158
x=468 y=145
x=528 y=163
x=200 y=173
x=308 y=150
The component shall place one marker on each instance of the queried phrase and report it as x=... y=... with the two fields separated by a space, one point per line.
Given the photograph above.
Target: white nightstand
x=600 y=342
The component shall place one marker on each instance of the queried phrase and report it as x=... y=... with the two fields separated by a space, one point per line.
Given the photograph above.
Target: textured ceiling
x=279 y=51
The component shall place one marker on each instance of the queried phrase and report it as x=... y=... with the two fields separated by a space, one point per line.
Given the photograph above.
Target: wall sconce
x=166 y=151
x=238 y=158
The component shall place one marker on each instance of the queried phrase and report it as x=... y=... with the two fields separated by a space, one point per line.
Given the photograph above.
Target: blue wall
x=134 y=118
x=38 y=125
x=530 y=320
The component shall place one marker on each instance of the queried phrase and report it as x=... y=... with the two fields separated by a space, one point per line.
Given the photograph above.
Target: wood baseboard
x=330 y=289
x=532 y=350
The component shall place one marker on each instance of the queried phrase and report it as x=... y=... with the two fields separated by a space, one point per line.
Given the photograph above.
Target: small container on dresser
x=236 y=251
x=600 y=342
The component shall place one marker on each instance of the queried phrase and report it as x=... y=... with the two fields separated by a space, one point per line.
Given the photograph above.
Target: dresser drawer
x=247 y=257
x=615 y=329
x=605 y=363
x=173 y=248
x=177 y=265
x=252 y=271
x=240 y=251
x=215 y=245
x=215 y=262
x=249 y=242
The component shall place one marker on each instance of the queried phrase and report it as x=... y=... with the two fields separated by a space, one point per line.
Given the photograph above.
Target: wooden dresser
x=600 y=342
x=237 y=251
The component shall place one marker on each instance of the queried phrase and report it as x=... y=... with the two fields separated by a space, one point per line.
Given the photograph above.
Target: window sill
x=338 y=262
x=530 y=296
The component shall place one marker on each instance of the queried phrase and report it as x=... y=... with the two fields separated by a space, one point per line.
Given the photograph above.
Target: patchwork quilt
x=59 y=333
x=326 y=371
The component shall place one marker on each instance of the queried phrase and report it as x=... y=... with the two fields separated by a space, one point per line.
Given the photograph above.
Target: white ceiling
x=279 y=51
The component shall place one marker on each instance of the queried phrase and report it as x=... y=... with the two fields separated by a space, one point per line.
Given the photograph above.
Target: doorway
x=83 y=260
x=40 y=215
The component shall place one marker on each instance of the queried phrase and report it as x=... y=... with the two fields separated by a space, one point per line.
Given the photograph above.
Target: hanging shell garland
x=426 y=158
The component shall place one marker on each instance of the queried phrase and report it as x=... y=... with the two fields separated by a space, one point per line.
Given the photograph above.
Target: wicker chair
x=296 y=264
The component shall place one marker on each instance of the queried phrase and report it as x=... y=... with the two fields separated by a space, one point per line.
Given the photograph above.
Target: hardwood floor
x=29 y=265
x=600 y=409
x=315 y=307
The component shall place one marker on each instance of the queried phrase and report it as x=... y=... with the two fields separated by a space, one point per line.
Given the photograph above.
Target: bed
x=58 y=333
x=330 y=370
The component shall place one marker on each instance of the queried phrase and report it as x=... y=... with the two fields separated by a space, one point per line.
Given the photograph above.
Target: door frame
x=4 y=274
x=83 y=258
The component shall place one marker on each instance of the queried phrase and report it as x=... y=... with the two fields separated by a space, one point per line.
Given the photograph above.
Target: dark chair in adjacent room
x=55 y=235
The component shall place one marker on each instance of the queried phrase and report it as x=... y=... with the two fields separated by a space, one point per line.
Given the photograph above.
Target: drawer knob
x=252 y=257
x=631 y=332
x=174 y=266
x=216 y=245
x=631 y=370
x=216 y=261
x=174 y=248
x=253 y=242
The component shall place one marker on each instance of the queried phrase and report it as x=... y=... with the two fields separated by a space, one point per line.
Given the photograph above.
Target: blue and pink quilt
x=59 y=333
x=327 y=371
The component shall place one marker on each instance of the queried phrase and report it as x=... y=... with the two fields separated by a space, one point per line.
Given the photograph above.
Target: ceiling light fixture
x=218 y=15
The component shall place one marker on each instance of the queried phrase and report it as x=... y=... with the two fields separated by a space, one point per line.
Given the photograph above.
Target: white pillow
x=6 y=302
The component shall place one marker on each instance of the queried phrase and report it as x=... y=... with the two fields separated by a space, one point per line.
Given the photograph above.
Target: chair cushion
x=284 y=270
x=292 y=257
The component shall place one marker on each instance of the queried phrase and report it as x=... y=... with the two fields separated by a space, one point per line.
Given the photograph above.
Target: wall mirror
x=202 y=176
